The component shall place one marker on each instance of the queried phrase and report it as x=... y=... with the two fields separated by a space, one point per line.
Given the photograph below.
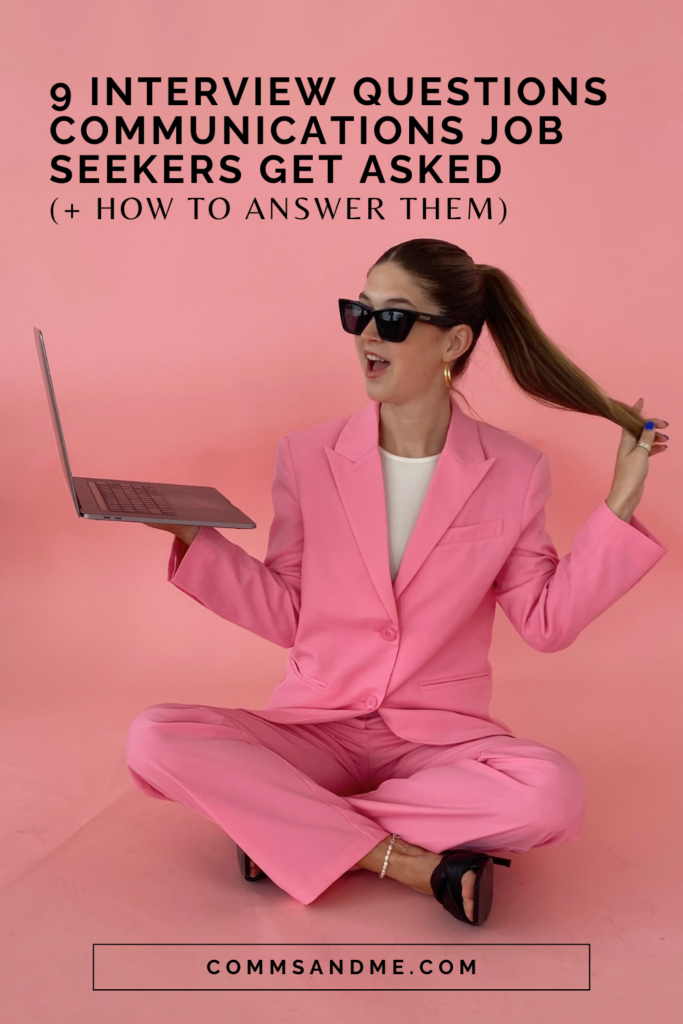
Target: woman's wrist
x=185 y=539
x=184 y=534
x=620 y=508
x=188 y=535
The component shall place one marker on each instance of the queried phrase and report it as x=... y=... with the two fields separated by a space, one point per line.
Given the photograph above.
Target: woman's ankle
x=406 y=863
x=413 y=868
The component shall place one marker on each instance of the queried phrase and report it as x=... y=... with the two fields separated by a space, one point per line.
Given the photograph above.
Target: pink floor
x=147 y=871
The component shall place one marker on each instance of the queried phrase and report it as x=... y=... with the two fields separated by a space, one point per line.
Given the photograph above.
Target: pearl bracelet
x=394 y=837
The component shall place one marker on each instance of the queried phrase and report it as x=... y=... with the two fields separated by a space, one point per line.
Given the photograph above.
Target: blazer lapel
x=356 y=464
x=460 y=469
x=357 y=469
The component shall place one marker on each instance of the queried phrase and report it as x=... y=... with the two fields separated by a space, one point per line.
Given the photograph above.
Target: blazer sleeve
x=263 y=597
x=549 y=600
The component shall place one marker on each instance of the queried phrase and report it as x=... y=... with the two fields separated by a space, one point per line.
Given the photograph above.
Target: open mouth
x=375 y=367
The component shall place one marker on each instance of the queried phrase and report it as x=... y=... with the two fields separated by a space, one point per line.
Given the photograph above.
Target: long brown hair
x=477 y=294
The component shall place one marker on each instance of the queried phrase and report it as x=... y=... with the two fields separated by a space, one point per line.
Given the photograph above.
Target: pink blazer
x=417 y=650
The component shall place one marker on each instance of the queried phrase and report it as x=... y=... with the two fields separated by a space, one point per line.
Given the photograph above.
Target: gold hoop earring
x=447 y=374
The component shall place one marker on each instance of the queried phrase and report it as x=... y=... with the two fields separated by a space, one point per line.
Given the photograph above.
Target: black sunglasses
x=392 y=324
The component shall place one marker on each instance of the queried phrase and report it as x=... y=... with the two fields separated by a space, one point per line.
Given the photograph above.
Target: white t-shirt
x=406 y=482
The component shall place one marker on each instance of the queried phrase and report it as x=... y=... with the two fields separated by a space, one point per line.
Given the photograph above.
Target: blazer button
x=371 y=703
x=388 y=633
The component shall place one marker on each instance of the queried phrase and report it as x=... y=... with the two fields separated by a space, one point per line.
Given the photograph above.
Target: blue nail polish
x=649 y=425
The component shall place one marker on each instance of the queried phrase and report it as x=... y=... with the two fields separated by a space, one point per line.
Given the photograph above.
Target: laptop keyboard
x=134 y=498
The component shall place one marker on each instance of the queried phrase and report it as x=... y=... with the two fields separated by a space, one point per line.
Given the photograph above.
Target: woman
x=396 y=531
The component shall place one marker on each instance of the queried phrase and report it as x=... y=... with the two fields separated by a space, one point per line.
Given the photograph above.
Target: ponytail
x=480 y=294
x=536 y=363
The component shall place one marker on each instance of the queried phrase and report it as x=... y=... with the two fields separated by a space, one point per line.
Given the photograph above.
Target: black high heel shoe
x=446 y=882
x=246 y=864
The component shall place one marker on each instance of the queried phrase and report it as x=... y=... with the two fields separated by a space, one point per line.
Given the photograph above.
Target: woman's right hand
x=185 y=533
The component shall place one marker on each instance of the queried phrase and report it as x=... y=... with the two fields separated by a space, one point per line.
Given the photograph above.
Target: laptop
x=136 y=501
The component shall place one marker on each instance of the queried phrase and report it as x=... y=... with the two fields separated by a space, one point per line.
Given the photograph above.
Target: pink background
x=182 y=350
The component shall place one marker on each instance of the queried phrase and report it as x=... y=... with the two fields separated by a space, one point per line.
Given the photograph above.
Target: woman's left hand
x=633 y=462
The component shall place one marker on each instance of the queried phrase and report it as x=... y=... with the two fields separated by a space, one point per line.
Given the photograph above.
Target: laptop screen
x=52 y=402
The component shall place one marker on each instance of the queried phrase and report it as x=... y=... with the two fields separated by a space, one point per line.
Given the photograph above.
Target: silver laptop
x=136 y=501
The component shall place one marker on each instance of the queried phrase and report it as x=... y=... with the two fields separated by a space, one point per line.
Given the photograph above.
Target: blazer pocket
x=473 y=531
x=428 y=684
x=319 y=685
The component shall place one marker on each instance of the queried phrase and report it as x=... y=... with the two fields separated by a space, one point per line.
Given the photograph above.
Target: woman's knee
x=142 y=739
x=558 y=802
x=153 y=730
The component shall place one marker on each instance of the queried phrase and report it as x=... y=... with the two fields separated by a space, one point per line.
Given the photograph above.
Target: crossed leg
x=307 y=803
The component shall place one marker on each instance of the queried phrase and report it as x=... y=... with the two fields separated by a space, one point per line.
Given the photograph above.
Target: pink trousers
x=307 y=802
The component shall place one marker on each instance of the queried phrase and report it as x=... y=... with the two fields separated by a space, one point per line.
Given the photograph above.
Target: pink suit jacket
x=417 y=650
